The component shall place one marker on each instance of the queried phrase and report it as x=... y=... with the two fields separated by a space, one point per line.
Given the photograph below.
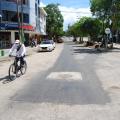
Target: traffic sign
x=107 y=30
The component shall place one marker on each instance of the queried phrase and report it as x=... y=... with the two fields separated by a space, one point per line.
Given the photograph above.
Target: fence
x=5 y=44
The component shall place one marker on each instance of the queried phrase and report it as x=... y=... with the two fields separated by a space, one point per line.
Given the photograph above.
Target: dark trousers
x=21 y=59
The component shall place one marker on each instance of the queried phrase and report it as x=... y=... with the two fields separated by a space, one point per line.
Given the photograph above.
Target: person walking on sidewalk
x=20 y=50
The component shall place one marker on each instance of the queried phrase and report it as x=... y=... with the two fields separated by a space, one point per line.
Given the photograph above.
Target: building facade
x=37 y=19
x=42 y=21
x=9 y=27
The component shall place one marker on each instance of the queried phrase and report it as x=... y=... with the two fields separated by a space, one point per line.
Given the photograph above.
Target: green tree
x=54 y=22
x=106 y=10
x=86 y=26
x=91 y=27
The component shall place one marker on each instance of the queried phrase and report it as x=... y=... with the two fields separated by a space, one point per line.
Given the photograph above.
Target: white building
x=37 y=19
x=43 y=16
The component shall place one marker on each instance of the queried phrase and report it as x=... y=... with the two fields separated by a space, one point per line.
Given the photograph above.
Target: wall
x=32 y=13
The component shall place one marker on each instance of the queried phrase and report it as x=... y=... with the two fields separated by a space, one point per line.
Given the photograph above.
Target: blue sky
x=72 y=10
x=69 y=3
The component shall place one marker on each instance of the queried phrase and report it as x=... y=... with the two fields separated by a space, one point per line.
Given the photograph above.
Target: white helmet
x=17 y=41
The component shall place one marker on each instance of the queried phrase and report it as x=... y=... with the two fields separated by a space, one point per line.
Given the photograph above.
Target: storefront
x=9 y=33
x=5 y=39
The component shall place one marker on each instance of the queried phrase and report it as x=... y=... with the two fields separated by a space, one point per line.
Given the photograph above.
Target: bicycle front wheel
x=12 y=72
x=23 y=68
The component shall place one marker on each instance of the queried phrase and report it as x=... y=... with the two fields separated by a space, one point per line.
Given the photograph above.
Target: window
x=26 y=18
x=9 y=16
x=8 y=0
x=38 y=2
x=12 y=16
x=36 y=9
x=25 y=2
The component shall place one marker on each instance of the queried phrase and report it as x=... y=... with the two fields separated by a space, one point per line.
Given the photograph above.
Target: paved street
x=70 y=83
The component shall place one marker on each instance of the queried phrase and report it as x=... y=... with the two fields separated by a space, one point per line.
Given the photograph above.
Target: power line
x=74 y=12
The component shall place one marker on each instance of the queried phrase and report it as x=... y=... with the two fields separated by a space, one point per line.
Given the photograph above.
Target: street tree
x=107 y=10
x=75 y=29
x=86 y=26
x=54 y=22
x=92 y=27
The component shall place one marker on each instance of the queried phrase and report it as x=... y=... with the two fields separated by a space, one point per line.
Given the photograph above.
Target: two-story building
x=9 y=27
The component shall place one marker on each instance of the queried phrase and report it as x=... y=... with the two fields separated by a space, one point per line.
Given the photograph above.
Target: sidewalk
x=30 y=51
x=115 y=45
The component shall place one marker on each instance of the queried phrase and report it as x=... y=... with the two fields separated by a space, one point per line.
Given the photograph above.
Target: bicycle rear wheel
x=12 y=72
x=23 y=68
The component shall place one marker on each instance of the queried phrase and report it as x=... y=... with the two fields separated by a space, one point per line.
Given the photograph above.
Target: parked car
x=59 y=40
x=45 y=45
x=54 y=45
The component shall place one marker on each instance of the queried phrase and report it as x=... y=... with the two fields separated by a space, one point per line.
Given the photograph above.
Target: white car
x=54 y=45
x=46 y=45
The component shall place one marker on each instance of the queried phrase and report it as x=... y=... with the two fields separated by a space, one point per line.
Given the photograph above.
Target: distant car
x=45 y=45
x=54 y=45
x=59 y=40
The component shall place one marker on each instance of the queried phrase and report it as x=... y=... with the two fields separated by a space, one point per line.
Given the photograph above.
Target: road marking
x=69 y=76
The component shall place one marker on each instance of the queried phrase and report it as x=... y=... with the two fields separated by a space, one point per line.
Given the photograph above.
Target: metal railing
x=5 y=44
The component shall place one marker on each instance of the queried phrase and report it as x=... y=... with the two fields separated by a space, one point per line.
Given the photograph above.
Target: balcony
x=11 y=6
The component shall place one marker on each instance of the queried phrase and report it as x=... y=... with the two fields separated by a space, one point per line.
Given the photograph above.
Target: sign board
x=14 y=26
x=107 y=30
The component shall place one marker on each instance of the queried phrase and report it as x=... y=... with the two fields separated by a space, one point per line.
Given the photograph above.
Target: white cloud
x=71 y=15
x=42 y=4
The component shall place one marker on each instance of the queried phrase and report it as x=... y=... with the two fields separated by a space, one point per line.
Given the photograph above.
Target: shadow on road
x=86 y=50
x=93 y=50
x=5 y=80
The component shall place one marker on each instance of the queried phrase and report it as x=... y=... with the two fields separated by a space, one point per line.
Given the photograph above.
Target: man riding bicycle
x=20 y=50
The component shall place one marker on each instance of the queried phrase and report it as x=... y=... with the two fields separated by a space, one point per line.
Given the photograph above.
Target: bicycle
x=16 y=69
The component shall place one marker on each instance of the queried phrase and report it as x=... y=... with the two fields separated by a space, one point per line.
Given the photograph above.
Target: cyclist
x=20 y=50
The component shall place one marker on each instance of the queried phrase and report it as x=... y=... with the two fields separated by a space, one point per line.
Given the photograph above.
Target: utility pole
x=18 y=16
x=22 y=33
x=20 y=20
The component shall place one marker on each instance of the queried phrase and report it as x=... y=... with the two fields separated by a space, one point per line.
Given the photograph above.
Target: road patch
x=69 y=76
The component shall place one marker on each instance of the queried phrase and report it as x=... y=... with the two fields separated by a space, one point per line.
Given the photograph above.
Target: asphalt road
x=70 y=81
